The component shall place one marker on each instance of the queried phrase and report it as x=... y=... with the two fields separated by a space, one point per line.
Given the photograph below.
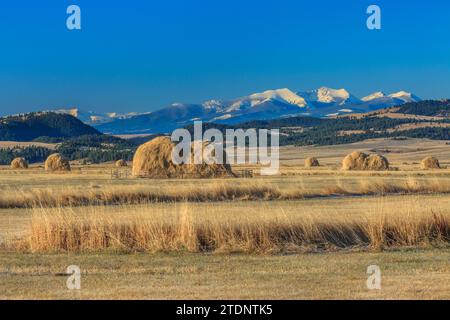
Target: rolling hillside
x=35 y=136
x=426 y=119
x=29 y=127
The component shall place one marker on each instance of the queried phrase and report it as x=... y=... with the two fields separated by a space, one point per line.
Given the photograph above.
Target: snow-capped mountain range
x=271 y=104
x=95 y=118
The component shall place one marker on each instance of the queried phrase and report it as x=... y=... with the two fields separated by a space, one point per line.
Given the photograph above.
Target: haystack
x=311 y=162
x=154 y=160
x=430 y=163
x=56 y=162
x=121 y=163
x=377 y=162
x=19 y=163
x=354 y=161
x=361 y=161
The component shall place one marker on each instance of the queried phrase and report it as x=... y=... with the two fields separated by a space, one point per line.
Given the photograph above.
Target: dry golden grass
x=350 y=230
x=406 y=274
x=20 y=144
x=142 y=194
x=249 y=190
x=403 y=154
x=180 y=229
x=349 y=220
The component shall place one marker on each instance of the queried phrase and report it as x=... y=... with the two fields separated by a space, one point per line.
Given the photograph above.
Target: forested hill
x=425 y=119
x=31 y=126
x=433 y=108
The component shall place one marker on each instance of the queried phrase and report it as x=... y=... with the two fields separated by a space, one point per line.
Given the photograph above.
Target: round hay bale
x=361 y=161
x=311 y=162
x=154 y=160
x=56 y=162
x=430 y=163
x=121 y=163
x=354 y=161
x=19 y=163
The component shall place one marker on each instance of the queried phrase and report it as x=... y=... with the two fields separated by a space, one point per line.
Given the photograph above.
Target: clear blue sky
x=143 y=55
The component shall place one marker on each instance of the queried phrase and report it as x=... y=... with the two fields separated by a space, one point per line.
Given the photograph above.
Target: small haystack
x=430 y=163
x=154 y=160
x=19 y=163
x=311 y=162
x=361 y=161
x=121 y=163
x=56 y=162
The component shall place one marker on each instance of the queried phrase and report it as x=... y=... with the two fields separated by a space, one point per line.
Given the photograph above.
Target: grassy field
x=406 y=274
x=303 y=234
x=403 y=154
x=13 y=144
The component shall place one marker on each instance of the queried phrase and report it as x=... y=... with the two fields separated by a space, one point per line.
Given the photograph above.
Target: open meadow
x=307 y=233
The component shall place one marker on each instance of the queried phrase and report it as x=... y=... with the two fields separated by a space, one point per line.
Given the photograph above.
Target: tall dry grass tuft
x=63 y=230
x=408 y=186
x=250 y=191
x=140 y=195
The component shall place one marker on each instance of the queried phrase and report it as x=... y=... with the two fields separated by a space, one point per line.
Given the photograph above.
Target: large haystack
x=361 y=161
x=121 y=163
x=311 y=162
x=154 y=160
x=19 y=163
x=430 y=163
x=354 y=161
x=56 y=162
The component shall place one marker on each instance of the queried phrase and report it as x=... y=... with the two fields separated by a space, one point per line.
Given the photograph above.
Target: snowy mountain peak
x=285 y=96
x=405 y=96
x=282 y=95
x=91 y=117
x=373 y=96
x=212 y=104
x=400 y=94
x=72 y=111
x=327 y=95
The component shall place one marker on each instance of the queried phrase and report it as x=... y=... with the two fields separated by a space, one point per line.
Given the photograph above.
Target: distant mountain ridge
x=429 y=119
x=91 y=117
x=28 y=127
x=271 y=104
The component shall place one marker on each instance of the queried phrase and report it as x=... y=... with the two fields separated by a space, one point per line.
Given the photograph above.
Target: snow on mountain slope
x=375 y=95
x=380 y=100
x=92 y=118
x=405 y=96
x=281 y=95
x=325 y=95
x=213 y=104
x=269 y=104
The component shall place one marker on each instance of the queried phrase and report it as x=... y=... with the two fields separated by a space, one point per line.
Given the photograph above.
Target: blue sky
x=143 y=55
